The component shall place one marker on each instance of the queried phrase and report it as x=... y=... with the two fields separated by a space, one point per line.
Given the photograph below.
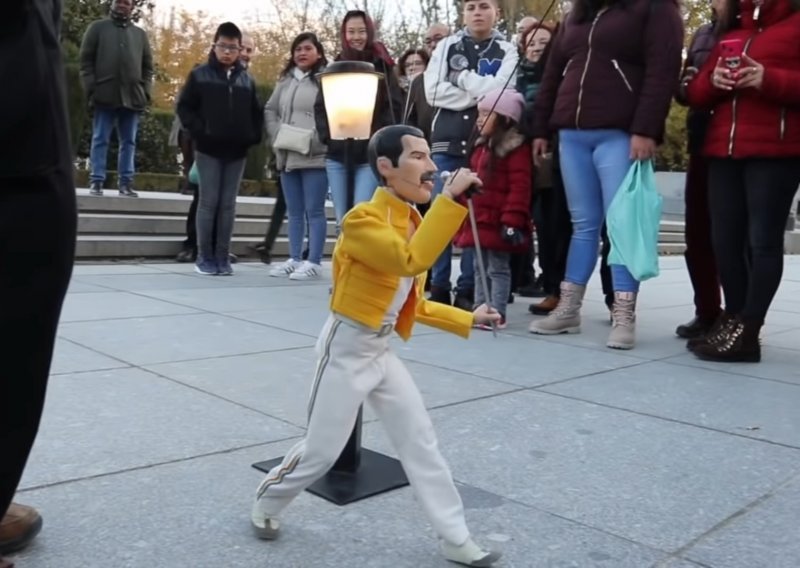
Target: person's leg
x=498 y=269
x=348 y=367
x=210 y=171
x=400 y=408
x=770 y=188
x=482 y=296
x=606 y=279
x=37 y=236
x=315 y=188
x=226 y=213
x=187 y=158
x=337 y=180
x=366 y=184
x=102 y=126
x=275 y=222
x=441 y=270
x=728 y=208
x=584 y=196
x=293 y=194
x=612 y=161
x=127 y=129
x=699 y=252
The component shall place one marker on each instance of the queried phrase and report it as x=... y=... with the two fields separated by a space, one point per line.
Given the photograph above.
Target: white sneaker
x=308 y=271
x=469 y=554
x=285 y=268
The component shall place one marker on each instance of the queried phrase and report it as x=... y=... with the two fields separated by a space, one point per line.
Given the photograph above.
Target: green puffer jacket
x=116 y=65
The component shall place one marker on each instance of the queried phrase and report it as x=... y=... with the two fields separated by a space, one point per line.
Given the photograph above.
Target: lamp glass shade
x=350 y=99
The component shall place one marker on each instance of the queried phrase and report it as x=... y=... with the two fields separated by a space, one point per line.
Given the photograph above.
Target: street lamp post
x=349 y=89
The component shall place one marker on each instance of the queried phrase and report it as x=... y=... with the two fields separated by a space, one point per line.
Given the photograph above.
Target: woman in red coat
x=502 y=159
x=753 y=143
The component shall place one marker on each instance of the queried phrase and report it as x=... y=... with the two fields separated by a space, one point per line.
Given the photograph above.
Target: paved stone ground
x=168 y=385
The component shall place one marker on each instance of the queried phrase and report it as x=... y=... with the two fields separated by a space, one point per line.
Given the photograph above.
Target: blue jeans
x=365 y=184
x=305 y=191
x=440 y=273
x=127 y=124
x=594 y=164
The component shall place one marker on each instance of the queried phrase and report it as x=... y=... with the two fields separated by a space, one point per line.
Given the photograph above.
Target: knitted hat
x=507 y=102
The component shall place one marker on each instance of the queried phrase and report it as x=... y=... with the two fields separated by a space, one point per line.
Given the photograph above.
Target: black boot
x=464 y=300
x=440 y=295
x=96 y=189
x=720 y=327
x=738 y=344
x=695 y=328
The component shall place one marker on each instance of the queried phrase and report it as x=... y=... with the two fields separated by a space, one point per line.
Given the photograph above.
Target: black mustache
x=428 y=176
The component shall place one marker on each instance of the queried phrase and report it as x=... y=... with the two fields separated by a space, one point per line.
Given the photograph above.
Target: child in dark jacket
x=502 y=158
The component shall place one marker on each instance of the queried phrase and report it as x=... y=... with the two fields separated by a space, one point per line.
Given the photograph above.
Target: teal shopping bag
x=633 y=221
x=194 y=175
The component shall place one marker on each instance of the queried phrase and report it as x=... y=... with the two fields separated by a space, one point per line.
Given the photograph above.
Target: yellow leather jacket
x=373 y=252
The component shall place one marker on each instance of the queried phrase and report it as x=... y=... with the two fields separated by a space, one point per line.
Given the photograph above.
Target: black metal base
x=376 y=474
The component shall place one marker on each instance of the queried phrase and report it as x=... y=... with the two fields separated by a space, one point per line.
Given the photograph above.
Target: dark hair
x=388 y=143
x=305 y=36
x=586 y=10
x=228 y=29
x=401 y=64
x=373 y=50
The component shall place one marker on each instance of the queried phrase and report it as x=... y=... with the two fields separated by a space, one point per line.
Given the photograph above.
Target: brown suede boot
x=18 y=528
x=544 y=307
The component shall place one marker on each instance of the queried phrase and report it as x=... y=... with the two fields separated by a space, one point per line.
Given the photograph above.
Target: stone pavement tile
x=142 y=341
x=741 y=405
x=108 y=421
x=113 y=305
x=71 y=358
x=307 y=320
x=765 y=536
x=786 y=340
x=678 y=563
x=156 y=281
x=524 y=361
x=776 y=364
x=245 y=298
x=76 y=287
x=81 y=270
x=652 y=481
x=196 y=513
x=278 y=383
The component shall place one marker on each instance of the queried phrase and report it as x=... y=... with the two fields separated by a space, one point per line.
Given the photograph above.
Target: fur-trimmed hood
x=510 y=141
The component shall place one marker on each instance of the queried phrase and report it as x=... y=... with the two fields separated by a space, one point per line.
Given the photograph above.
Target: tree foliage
x=78 y=14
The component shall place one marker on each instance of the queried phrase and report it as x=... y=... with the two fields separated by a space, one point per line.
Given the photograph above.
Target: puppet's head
x=401 y=159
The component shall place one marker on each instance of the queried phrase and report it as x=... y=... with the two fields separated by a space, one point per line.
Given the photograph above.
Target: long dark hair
x=373 y=50
x=311 y=37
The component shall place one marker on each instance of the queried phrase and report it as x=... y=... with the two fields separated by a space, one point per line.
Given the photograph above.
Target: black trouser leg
x=37 y=242
x=191 y=220
x=605 y=269
x=275 y=222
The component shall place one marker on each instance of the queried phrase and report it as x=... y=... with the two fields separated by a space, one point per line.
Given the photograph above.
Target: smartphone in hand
x=732 y=50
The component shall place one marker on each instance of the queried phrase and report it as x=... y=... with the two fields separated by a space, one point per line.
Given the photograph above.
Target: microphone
x=446 y=175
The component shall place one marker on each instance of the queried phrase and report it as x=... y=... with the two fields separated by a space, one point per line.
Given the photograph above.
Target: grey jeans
x=219 y=184
x=498 y=276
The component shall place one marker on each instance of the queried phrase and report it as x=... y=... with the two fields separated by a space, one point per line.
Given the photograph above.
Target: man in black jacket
x=37 y=239
x=117 y=75
x=218 y=105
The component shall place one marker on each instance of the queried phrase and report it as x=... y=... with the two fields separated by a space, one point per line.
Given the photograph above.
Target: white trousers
x=354 y=364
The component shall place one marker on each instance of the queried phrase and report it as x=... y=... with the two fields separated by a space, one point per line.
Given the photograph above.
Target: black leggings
x=37 y=245
x=750 y=201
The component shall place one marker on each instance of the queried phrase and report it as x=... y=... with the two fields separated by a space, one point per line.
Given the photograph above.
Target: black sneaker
x=126 y=191
x=96 y=189
x=186 y=255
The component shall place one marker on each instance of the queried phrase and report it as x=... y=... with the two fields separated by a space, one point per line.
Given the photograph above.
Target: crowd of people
x=550 y=123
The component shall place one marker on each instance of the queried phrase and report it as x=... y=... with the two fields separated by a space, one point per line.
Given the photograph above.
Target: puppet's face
x=412 y=178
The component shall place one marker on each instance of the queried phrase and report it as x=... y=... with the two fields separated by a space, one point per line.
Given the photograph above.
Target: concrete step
x=174 y=225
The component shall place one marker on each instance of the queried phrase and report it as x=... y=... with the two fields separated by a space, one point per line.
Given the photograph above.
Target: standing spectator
x=359 y=43
x=464 y=67
x=219 y=107
x=289 y=115
x=418 y=112
x=502 y=159
x=753 y=146
x=117 y=75
x=699 y=252
x=524 y=27
x=607 y=90
x=412 y=63
x=37 y=240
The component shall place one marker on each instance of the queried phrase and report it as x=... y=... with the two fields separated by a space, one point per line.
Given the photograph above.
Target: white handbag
x=293 y=139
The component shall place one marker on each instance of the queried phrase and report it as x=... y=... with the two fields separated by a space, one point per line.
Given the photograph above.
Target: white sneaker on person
x=285 y=268
x=308 y=271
